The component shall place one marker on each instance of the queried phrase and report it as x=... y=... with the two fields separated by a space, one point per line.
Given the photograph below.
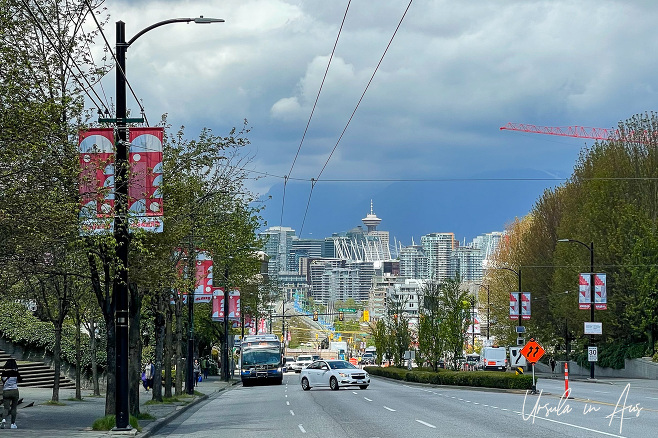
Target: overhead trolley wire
x=315 y=180
x=61 y=56
x=331 y=57
x=116 y=63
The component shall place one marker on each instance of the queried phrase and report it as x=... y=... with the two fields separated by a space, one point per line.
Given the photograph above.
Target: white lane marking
x=426 y=424
x=286 y=395
x=292 y=413
x=354 y=392
x=652 y=398
x=287 y=403
x=392 y=410
x=603 y=392
x=503 y=409
x=301 y=428
x=576 y=426
x=367 y=399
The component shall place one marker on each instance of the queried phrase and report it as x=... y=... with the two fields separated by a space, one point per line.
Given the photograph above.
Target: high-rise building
x=278 y=243
x=438 y=247
x=413 y=262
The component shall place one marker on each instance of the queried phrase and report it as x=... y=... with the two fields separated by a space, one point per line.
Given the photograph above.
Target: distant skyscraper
x=438 y=247
x=278 y=243
x=413 y=262
x=369 y=246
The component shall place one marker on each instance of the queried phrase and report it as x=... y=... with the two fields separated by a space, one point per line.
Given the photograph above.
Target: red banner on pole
x=96 y=180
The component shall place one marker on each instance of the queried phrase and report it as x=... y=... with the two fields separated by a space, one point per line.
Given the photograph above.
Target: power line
x=354 y=112
x=116 y=63
x=61 y=56
x=331 y=57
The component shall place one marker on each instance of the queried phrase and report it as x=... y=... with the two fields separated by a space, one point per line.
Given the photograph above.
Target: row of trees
x=44 y=59
x=611 y=200
x=444 y=314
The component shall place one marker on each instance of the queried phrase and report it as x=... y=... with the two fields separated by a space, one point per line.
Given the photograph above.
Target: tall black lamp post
x=590 y=247
x=488 y=307
x=120 y=286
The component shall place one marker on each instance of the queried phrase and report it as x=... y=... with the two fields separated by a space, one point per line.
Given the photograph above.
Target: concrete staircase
x=37 y=374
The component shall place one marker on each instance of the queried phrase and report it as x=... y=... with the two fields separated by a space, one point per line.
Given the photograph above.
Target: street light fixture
x=590 y=247
x=121 y=236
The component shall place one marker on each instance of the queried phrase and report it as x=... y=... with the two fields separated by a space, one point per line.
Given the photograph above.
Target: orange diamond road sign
x=532 y=351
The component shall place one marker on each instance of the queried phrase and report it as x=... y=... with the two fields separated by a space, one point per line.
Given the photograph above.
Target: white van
x=493 y=358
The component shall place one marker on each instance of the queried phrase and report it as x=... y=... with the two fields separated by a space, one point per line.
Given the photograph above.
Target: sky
x=424 y=143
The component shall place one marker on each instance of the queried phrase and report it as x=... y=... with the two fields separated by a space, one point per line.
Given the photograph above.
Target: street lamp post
x=519 y=293
x=590 y=247
x=121 y=235
x=488 y=307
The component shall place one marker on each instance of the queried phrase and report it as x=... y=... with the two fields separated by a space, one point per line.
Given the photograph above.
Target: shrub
x=485 y=379
x=20 y=326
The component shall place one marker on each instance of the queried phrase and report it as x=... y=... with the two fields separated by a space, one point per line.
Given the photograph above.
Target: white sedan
x=334 y=374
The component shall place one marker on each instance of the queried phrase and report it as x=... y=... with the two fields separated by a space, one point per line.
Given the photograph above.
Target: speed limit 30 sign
x=592 y=354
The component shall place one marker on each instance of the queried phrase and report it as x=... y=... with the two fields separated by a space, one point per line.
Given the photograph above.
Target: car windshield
x=340 y=364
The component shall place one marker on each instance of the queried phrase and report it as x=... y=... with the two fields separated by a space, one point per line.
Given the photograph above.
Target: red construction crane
x=566 y=131
x=584 y=132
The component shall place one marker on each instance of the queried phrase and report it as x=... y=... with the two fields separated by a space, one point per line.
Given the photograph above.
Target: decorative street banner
x=203 y=290
x=477 y=325
x=584 y=297
x=144 y=193
x=96 y=181
x=514 y=305
x=218 y=304
x=600 y=292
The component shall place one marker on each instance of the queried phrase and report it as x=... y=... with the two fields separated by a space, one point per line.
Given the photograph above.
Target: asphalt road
x=397 y=409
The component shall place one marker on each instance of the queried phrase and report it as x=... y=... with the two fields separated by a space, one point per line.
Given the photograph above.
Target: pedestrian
x=150 y=371
x=10 y=379
x=197 y=371
x=552 y=362
x=204 y=367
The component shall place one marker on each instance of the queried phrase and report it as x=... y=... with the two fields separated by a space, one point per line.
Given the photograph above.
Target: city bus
x=261 y=360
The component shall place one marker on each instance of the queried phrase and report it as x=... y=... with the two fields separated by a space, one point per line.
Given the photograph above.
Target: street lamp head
x=202 y=20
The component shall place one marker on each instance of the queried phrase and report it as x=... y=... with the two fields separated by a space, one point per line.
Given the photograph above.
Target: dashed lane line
x=287 y=403
x=367 y=399
x=392 y=410
x=426 y=424
x=292 y=413
x=301 y=428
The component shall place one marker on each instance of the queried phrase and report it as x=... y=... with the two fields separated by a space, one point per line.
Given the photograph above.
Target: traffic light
x=315 y=315
x=316 y=336
x=341 y=316
x=366 y=315
x=395 y=317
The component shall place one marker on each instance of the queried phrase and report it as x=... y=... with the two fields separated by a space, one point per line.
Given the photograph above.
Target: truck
x=493 y=358
x=261 y=360
x=339 y=347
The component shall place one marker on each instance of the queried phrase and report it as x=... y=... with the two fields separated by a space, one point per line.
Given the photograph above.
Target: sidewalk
x=75 y=418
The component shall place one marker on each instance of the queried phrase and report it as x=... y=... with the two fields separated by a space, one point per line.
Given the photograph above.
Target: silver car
x=334 y=374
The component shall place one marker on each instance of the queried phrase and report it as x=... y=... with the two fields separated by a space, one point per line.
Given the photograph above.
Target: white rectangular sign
x=516 y=359
x=593 y=328
x=592 y=354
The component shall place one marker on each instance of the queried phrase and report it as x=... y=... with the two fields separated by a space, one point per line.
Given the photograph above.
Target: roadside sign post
x=532 y=351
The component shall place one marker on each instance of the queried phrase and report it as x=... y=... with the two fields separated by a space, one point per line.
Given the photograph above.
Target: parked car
x=333 y=374
x=302 y=362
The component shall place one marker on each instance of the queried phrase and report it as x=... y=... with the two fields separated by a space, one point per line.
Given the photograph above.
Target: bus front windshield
x=261 y=356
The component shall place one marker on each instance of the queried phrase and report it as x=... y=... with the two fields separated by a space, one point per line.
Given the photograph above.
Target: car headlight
x=367 y=376
x=343 y=375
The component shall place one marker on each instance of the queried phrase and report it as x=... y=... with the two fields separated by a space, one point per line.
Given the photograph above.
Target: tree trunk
x=110 y=374
x=168 y=350
x=159 y=324
x=134 y=349
x=78 y=355
x=180 y=362
x=94 y=362
x=56 y=360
